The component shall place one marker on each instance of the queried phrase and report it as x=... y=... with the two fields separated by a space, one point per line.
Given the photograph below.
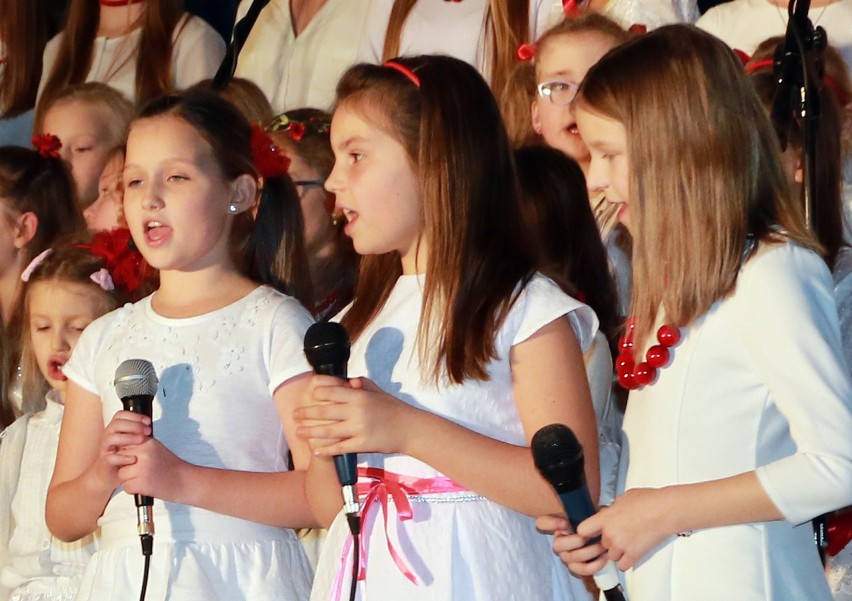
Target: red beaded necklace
x=632 y=375
x=119 y=2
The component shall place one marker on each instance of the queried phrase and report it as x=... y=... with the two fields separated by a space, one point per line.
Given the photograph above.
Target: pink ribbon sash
x=380 y=486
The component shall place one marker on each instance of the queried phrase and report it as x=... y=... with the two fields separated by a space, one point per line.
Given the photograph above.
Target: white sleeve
x=80 y=367
x=285 y=353
x=198 y=51
x=791 y=332
x=541 y=302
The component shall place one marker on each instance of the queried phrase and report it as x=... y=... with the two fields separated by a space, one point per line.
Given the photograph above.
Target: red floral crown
x=299 y=129
x=47 y=145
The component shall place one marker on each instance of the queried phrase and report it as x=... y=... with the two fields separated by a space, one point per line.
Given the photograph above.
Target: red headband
x=404 y=70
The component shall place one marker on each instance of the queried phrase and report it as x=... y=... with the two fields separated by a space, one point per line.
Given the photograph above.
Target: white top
x=743 y=24
x=840 y=566
x=458 y=544
x=651 y=13
x=197 y=52
x=453 y=28
x=214 y=408
x=756 y=383
x=33 y=564
x=297 y=72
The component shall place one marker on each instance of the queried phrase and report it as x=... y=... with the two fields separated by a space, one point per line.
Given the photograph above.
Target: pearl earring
x=232 y=208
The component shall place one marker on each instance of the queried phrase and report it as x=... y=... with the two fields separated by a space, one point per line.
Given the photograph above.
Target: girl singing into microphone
x=228 y=354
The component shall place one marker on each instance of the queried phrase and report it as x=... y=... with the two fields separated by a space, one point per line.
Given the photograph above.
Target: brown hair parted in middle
x=716 y=180
x=477 y=258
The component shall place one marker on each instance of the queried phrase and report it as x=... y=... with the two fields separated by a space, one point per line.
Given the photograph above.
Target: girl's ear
x=26 y=226
x=534 y=117
x=243 y=194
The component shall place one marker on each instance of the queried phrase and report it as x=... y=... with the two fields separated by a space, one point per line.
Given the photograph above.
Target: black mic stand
x=799 y=69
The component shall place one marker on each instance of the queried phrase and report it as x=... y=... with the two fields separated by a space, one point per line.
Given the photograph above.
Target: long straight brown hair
x=507 y=24
x=153 y=74
x=23 y=30
x=477 y=258
x=715 y=180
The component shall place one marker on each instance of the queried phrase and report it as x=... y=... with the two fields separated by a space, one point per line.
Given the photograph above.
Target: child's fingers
x=549 y=524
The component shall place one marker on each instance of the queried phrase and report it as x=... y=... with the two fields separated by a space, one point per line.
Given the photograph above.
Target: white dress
x=34 y=566
x=214 y=408
x=651 y=13
x=453 y=28
x=743 y=24
x=840 y=566
x=756 y=383
x=301 y=71
x=458 y=545
x=197 y=53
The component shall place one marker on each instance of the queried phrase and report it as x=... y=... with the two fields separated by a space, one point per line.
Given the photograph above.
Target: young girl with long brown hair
x=462 y=351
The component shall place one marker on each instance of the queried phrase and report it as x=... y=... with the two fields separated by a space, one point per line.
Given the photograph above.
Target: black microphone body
x=327 y=350
x=136 y=385
x=558 y=456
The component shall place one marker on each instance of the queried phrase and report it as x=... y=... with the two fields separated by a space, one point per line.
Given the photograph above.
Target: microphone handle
x=142 y=404
x=345 y=465
x=578 y=505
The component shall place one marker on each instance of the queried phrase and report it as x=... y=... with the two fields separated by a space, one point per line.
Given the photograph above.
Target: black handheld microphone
x=558 y=456
x=136 y=384
x=327 y=350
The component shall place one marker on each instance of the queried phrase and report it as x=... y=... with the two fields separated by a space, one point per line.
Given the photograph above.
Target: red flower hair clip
x=124 y=262
x=526 y=52
x=299 y=129
x=47 y=145
x=268 y=159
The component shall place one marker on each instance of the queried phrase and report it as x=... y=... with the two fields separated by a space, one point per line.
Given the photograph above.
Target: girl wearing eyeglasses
x=303 y=134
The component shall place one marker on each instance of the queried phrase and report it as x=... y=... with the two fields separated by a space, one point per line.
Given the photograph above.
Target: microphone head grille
x=558 y=456
x=326 y=342
x=135 y=377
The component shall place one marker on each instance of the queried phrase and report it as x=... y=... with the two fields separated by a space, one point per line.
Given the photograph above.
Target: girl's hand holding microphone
x=351 y=417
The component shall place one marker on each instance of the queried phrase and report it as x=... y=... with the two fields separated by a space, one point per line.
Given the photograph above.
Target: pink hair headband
x=101 y=277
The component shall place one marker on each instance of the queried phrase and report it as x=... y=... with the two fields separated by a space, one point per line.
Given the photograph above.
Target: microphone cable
x=147 y=548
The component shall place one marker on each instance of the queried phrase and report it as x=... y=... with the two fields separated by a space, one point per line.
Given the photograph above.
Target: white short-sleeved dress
x=757 y=383
x=457 y=545
x=196 y=54
x=214 y=408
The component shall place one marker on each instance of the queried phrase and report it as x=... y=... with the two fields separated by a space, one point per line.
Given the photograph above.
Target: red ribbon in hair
x=47 y=145
x=268 y=159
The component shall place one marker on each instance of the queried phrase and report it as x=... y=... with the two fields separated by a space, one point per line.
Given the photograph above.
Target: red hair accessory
x=124 y=263
x=268 y=159
x=571 y=8
x=47 y=145
x=743 y=56
x=638 y=28
x=526 y=52
x=404 y=70
x=297 y=130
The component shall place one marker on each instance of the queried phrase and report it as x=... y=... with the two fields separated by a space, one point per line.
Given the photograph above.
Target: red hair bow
x=268 y=159
x=125 y=264
x=47 y=145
